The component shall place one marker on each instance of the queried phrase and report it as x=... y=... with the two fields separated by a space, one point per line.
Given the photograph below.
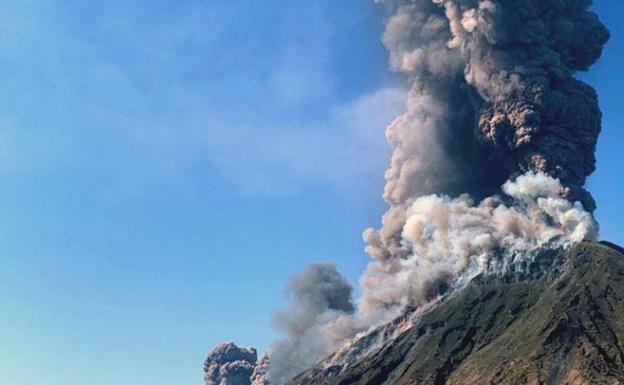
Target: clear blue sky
x=165 y=165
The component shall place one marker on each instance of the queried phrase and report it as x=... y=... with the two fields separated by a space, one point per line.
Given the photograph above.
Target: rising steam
x=489 y=163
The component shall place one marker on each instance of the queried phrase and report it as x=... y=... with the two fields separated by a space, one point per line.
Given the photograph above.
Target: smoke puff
x=228 y=364
x=321 y=301
x=318 y=290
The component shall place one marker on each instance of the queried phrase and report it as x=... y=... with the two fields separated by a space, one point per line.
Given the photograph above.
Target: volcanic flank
x=562 y=328
x=487 y=209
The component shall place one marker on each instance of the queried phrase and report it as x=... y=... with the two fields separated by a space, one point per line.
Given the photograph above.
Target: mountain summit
x=564 y=328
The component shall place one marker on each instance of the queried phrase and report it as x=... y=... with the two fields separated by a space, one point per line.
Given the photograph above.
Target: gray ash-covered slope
x=565 y=329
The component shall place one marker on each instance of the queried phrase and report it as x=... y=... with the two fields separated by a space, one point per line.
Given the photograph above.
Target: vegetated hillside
x=566 y=328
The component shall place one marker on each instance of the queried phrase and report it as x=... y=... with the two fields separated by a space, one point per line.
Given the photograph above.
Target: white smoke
x=447 y=241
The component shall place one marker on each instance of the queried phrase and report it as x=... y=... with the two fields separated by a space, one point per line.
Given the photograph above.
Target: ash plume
x=488 y=166
x=492 y=96
x=493 y=102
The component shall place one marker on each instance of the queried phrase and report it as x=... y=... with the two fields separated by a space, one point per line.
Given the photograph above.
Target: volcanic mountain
x=564 y=327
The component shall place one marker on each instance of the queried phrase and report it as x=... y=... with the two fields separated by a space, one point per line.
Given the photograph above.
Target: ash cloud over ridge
x=488 y=165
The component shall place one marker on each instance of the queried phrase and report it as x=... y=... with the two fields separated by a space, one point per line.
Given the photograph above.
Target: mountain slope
x=564 y=329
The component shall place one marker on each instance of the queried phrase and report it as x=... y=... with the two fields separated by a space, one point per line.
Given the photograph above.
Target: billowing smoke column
x=488 y=167
x=492 y=97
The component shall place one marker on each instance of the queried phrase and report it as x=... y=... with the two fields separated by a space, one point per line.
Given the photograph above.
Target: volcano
x=484 y=269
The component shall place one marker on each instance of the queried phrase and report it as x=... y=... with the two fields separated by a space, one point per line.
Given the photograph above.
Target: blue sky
x=166 y=165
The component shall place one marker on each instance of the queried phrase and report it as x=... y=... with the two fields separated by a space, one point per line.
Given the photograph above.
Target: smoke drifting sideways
x=488 y=165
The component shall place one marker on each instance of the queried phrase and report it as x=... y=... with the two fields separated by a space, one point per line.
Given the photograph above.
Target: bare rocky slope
x=565 y=328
